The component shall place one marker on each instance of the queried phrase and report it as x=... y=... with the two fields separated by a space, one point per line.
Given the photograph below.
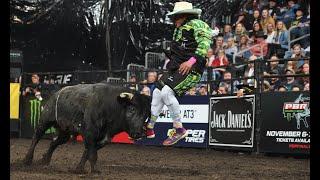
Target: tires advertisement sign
x=231 y=121
x=194 y=116
x=285 y=126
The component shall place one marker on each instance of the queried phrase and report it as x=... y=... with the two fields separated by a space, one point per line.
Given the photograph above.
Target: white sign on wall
x=189 y=113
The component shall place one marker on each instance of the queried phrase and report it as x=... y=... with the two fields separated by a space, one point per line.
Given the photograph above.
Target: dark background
x=66 y=35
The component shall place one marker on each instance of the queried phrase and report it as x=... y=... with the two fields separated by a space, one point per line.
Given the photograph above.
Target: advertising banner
x=32 y=113
x=194 y=114
x=231 y=121
x=285 y=126
x=14 y=100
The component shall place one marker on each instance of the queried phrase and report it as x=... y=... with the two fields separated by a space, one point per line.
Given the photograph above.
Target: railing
x=297 y=39
x=247 y=49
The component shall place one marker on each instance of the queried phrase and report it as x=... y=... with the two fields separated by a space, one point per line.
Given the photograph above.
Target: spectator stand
x=291 y=41
x=154 y=60
x=137 y=70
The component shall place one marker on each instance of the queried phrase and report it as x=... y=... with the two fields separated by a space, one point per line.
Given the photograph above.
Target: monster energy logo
x=35 y=111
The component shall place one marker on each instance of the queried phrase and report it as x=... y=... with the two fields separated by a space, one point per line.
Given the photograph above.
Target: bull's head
x=137 y=110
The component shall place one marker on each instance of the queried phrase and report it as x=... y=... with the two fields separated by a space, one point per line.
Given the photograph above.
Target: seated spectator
x=192 y=92
x=255 y=18
x=295 y=88
x=274 y=81
x=291 y=65
x=218 y=45
x=256 y=29
x=270 y=33
x=231 y=48
x=306 y=87
x=146 y=91
x=273 y=9
x=133 y=82
x=249 y=71
x=282 y=88
x=302 y=28
x=210 y=57
x=244 y=45
x=289 y=14
x=266 y=86
x=290 y=81
x=240 y=30
x=259 y=38
x=297 y=53
x=227 y=32
x=151 y=79
x=242 y=18
x=221 y=60
x=222 y=89
x=266 y=19
x=203 y=90
x=227 y=76
x=305 y=71
x=281 y=37
x=273 y=64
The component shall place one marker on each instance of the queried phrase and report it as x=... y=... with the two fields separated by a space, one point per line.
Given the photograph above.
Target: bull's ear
x=125 y=98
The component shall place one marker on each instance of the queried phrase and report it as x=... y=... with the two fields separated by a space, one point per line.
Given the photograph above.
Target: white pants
x=166 y=97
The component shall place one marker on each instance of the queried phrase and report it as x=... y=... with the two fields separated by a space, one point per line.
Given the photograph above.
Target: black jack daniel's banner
x=285 y=126
x=231 y=121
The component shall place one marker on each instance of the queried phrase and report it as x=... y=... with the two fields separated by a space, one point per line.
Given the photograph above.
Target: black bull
x=97 y=111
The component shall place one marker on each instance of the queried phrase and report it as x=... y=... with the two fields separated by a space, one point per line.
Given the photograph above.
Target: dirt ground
x=121 y=161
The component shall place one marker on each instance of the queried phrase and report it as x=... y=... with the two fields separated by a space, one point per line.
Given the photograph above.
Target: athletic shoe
x=150 y=133
x=175 y=137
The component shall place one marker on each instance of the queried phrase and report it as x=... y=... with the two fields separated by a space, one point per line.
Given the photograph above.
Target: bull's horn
x=126 y=94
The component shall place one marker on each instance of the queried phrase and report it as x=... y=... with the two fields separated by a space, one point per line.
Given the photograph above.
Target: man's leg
x=156 y=107
x=169 y=99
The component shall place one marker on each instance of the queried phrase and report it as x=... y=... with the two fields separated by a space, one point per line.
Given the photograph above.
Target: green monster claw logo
x=35 y=110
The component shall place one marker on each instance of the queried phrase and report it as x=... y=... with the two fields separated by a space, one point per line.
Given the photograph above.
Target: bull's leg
x=62 y=138
x=93 y=156
x=80 y=166
x=40 y=130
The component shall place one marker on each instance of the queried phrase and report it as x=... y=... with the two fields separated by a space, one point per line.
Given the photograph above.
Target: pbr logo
x=194 y=136
x=299 y=110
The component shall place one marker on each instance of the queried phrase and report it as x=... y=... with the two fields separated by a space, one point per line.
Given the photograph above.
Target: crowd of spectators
x=261 y=31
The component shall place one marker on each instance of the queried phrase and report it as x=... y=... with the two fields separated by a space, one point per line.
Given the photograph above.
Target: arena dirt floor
x=121 y=161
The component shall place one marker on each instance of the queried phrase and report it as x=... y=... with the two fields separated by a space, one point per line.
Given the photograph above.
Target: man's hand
x=184 y=68
x=240 y=93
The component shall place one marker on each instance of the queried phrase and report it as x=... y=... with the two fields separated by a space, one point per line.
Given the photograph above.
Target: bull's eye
x=131 y=109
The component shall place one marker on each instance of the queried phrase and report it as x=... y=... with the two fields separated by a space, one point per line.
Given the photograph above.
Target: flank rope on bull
x=56 y=110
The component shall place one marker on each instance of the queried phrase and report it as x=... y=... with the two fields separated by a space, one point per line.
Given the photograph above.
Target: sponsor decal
x=194 y=135
x=63 y=78
x=232 y=121
x=35 y=112
x=189 y=114
x=298 y=110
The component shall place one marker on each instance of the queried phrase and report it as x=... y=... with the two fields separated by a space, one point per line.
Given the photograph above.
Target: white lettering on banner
x=197 y=136
x=293 y=140
x=285 y=133
x=189 y=113
x=240 y=121
x=63 y=79
x=219 y=120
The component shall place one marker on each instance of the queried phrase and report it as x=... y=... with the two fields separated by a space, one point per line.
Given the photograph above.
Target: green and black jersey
x=192 y=39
